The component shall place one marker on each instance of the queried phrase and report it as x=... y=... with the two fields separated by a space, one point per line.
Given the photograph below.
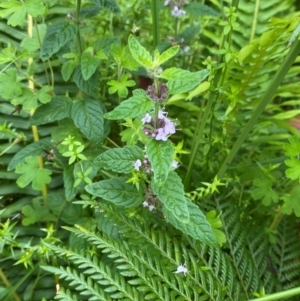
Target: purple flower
x=146 y=119
x=177 y=12
x=161 y=135
x=137 y=164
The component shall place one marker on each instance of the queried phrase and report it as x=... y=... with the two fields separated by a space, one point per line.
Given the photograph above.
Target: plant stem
x=279 y=76
x=78 y=22
x=279 y=296
x=155 y=22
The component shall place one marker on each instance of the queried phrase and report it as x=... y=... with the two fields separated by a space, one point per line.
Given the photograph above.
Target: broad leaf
x=168 y=54
x=181 y=81
x=130 y=108
x=9 y=85
x=16 y=10
x=293 y=148
x=199 y=9
x=119 y=159
x=139 y=53
x=67 y=69
x=291 y=202
x=32 y=173
x=33 y=149
x=68 y=176
x=197 y=226
x=171 y=194
x=89 y=63
x=58 y=34
x=263 y=191
x=87 y=86
x=88 y=117
x=160 y=155
x=110 y=5
x=117 y=191
x=57 y=109
x=293 y=172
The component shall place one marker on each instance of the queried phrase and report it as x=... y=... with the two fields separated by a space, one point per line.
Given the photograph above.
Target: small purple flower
x=137 y=164
x=181 y=269
x=146 y=119
x=169 y=126
x=177 y=12
x=161 y=135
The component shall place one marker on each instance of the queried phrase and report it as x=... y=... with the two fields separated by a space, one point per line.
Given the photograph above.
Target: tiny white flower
x=145 y=204
x=151 y=207
x=137 y=164
x=167 y=2
x=146 y=119
x=186 y=48
x=181 y=269
x=174 y=164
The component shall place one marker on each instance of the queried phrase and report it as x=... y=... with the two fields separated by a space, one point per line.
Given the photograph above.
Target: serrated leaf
x=9 y=85
x=263 y=191
x=43 y=95
x=89 y=63
x=160 y=155
x=33 y=149
x=293 y=172
x=181 y=81
x=139 y=53
x=171 y=194
x=130 y=108
x=291 y=202
x=68 y=176
x=199 y=9
x=67 y=69
x=87 y=86
x=197 y=226
x=27 y=99
x=59 y=108
x=16 y=9
x=293 y=148
x=30 y=44
x=110 y=5
x=88 y=117
x=36 y=213
x=32 y=173
x=106 y=43
x=117 y=191
x=57 y=35
x=35 y=7
x=168 y=54
x=119 y=159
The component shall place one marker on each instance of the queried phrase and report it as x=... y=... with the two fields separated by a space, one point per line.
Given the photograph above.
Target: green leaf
x=197 y=226
x=106 y=43
x=293 y=148
x=36 y=213
x=110 y=5
x=291 y=202
x=168 y=54
x=87 y=86
x=216 y=223
x=139 y=53
x=9 y=85
x=16 y=9
x=160 y=155
x=130 y=108
x=199 y=9
x=30 y=44
x=264 y=191
x=33 y=149
x=67 y=69
x=43 y=95
x=57 y=109
x=171 y=194
x=35 y=7
x=88 y=117
x=120 y=87
x=68 y=176
x=134 y=133
x=181 y=81
x=117 y=191
x=57 y=35
x=89 y=63
x=119 y=159
x=32 y=173
x=27 y=99
x=293 y=172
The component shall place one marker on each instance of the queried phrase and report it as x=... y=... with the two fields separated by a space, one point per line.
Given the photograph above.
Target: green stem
x=279 y=296
x=78 y=22
x=155 y=22
x=282 y=71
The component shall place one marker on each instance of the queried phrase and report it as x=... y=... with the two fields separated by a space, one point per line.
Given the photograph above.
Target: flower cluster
x=159 y=129
x=176 y=5
x=179 y=42
x=145 y=165
x=151 y=200
x=159 y=96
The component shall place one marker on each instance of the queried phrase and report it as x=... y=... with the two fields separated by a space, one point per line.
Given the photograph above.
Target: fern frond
x=63 y=295
x=85 y=286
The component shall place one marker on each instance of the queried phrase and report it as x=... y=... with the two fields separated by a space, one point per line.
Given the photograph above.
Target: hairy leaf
x=171 y=194
x=168 y=54
x=160 y=155
x=31 y=172
x=89 y=63
x=87 y=86
x=197 y=226
x=57 y=35
x=88 y=117
x=130 y=108
x=139 y=53
x=120 y=159
x=117 y=191
x=57 y=109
